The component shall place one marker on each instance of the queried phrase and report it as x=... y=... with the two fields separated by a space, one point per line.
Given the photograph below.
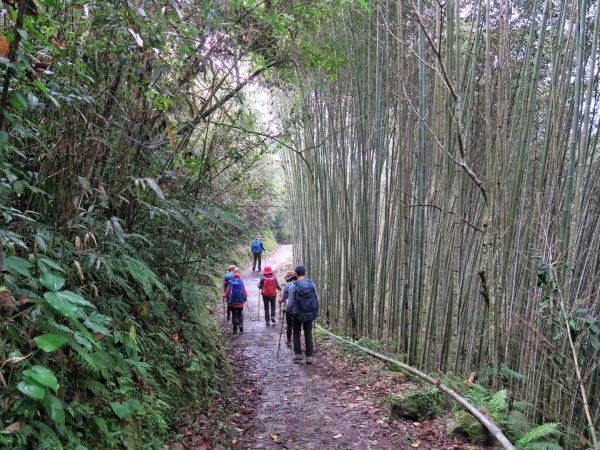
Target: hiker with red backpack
x=226 y=279
x=269 y=286
x=257 y=248
x=236 y=295
x=303 y=304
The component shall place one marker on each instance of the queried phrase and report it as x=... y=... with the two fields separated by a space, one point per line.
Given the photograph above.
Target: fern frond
x=508 y=374
x=143 y=275
x=87 y=359
x=538 y=433
x=485 y=374
x=47 y=437
x=499 y=402
x=93 y=386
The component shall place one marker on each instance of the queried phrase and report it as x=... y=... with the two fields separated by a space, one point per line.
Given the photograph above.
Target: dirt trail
x=299 y=406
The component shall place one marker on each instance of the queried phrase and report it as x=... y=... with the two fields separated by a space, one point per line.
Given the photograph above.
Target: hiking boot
x=309 y=360
x=267 y=324
x=298 y=358
x=288 y=344
x=273 y=320
x=234 y=331
x=241 y=329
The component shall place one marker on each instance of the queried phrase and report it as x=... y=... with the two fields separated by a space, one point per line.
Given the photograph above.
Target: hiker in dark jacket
x=269 y=286
x=237 y=295
x=303 y=304
x=226 y=279
x=257 y=248
x=290 y=277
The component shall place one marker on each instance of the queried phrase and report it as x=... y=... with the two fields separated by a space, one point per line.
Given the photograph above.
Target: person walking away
x=290 y=277
x=236 y=295
x=269 y=286
x=226 y=279
x=257 y=248
x=303 y=304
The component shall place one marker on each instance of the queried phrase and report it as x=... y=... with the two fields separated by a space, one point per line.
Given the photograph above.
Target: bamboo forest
x=431 y=165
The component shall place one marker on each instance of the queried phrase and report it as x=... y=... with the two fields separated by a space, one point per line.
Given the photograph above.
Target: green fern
x=478 y=395
x=93 y=386
x=508 y=374
x=142 y=275
x=499 y=402
x=538 y=433
x=485 y=374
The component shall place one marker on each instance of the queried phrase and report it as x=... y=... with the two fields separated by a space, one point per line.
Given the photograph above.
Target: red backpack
x=269 y=289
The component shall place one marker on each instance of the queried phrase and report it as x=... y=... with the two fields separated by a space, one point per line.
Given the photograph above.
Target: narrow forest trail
x=321 y=406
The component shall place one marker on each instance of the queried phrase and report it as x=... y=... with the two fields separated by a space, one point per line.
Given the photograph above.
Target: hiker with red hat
x=269 y=286
x=236 y=295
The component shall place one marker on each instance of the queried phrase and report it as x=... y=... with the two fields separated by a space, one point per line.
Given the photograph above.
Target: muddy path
x=327 y=405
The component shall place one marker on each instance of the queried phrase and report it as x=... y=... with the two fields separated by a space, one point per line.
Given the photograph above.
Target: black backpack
x=306 y=301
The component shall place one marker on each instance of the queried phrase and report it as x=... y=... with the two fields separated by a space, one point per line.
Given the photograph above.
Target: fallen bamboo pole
x=485 y=420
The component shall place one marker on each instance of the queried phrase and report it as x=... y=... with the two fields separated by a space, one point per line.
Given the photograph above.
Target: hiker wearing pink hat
x=269 y=286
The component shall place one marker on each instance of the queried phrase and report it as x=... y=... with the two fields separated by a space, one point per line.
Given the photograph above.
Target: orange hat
x=290 y=276
x=267 y=271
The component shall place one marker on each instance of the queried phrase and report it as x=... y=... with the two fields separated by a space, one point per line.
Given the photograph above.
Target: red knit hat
x=236 y=275
x=267 y=271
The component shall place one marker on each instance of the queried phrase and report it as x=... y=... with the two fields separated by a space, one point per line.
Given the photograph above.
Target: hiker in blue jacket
x=257 y=248
x=303 y=305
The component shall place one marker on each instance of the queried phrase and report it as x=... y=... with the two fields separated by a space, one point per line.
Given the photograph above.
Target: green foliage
x=487 y=373
x=528 y=441
x=509 y=415
x=123 y=195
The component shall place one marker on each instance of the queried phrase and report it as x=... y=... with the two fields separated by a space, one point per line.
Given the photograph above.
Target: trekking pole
x=251 y=321
x=224 y=311
x=281 y=331
x=250 y=315
x=258 y=307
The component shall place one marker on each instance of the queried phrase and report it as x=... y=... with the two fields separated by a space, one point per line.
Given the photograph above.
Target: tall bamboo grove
x=444 y=190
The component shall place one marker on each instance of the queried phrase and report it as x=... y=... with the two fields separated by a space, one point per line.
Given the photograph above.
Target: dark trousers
x=269 y=301
x=257 y=257
x=228 y=312
x=298 y=325
x=289 y=319
x=237 y=319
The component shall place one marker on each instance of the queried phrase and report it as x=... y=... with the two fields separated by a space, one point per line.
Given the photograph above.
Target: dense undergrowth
x=129 y=180
x=95 y=357
x=509 y=413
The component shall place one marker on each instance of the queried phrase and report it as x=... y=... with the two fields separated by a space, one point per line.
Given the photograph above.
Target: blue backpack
x=236 y=292
x=306 y=306
x=256 y=246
